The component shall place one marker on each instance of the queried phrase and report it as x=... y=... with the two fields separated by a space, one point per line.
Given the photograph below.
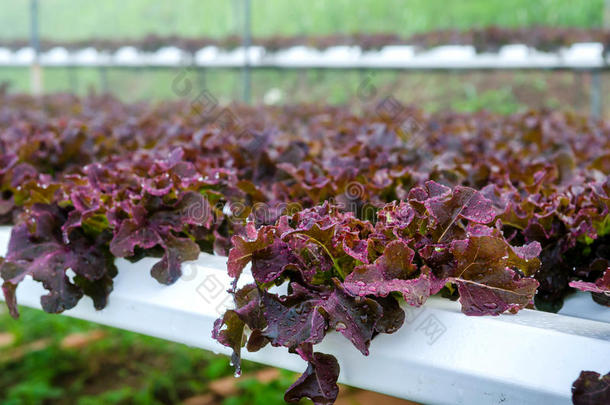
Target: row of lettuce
x=487 y=39
x=354 y=213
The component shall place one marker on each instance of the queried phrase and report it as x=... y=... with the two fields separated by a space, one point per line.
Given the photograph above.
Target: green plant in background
x=121 y=368
x=500 y=100
x=258 y=393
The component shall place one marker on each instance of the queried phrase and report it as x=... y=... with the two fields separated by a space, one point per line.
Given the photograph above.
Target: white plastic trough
x=439 y=356
x=586 y=56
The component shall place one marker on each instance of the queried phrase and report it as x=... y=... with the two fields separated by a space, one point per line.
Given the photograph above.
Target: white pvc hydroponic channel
x=439 y=356
x=586 y=56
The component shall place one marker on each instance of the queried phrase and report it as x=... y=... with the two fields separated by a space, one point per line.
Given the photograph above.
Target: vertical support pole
x=247 y=42
x=596 y=94
x=201 y=77
x=104 y=79
x=73 y=79
x=598 y=81
x=35 y=69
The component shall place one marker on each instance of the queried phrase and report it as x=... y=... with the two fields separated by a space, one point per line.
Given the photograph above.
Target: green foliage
x=119 y=19
x=500 y=100
x=257 y=393
x=122 y=368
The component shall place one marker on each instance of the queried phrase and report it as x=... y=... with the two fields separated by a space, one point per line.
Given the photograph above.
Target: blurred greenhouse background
x=498 y=91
